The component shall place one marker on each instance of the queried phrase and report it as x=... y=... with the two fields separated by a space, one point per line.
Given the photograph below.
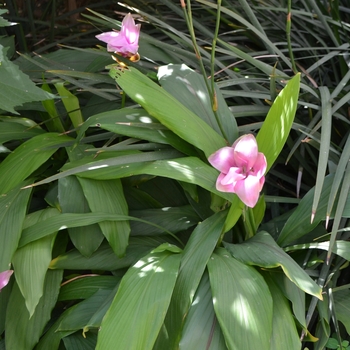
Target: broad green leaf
x=275 y=130
x=64 y=221
x=14 y=131
x=187 y=169
x=71 y=103
x=342 y=308
x=85 y=286
x=72 y=200
x=52 y=338
x=105 y=259
x=31 y=263
x=4 y=22
x=242 y=302
x=94 y=323
x=13 y=207
x=82 y=313
x=284 y=330
x=143 y=296
x=136 y=123
x=108 y=196
x=261 y=250
x=28 y=157
x=190 y=89
x=201 y=329
x=171 y=113
x=196 y=254
x=77 y=341
x=293 y=293
x=22 y=332
x=173 y=219
x=15 y=87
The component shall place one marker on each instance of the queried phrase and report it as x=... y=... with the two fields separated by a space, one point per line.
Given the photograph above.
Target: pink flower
x=4 y=278
x=125 y=42
x=242 y=169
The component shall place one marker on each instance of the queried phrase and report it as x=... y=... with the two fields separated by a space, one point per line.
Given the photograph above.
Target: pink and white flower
x=242 y=169
x=4 y=278
x=126 y=42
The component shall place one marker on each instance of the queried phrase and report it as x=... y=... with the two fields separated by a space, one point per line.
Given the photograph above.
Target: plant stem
x=288 y=30
x=211 y=90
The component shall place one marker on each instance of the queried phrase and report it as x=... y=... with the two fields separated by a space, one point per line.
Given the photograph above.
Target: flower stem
x=211 y=89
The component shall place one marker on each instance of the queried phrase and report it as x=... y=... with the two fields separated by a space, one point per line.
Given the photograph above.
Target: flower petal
x=233 y=175
x=5 y=277
x=246 y=151
x=124 y=42
x=248 y=190
x=260 y=166
x=222 y=159
x=129 y=30
x=221 y=187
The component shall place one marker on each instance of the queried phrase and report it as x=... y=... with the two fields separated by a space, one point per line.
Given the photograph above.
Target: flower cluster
x=242 y=169
x=126 y=42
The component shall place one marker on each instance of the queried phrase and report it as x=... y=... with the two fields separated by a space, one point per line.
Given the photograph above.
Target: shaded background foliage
x=249 y=74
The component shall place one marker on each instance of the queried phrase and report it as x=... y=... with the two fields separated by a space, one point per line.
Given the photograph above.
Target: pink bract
x=125 y=42
x=5 y=277
x=242 y=169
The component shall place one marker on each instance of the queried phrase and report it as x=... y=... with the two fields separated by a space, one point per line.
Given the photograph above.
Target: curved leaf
x=242 y=302
x=170 y=112
x=138 y=309
x=275 y=130
x=261 y=250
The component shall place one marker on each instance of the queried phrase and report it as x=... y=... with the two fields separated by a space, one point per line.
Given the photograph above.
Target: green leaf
x=31 y=263
x=341 y=248
x=173 y=219
x=299 y=223
x=108 y=196
x=105 y=259
x=82 y=313
x=143 y=295
x=72 y=200
x=242 y=302
x=201 y=329
x=71 y=103
x=190 y=89
x=342 y=309
x=284 y=330
x=188 y=169
x=171 y=113
x=15 y=87
x=14 y=131
x=139 y=124
x=77 y=341
x=196 y=254
x=13 y=207
x=28 y=157
x=85 y=286
x=324 y=145
x=275 y=130
x=261 y=250
x=17 y=316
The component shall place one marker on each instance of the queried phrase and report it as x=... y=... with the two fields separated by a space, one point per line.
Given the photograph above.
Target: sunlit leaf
x=275 y=130
x=143 y=295
x=261 y=250
x=242 y=302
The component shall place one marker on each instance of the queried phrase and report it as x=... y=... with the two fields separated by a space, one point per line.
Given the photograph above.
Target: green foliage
x=116 y=232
